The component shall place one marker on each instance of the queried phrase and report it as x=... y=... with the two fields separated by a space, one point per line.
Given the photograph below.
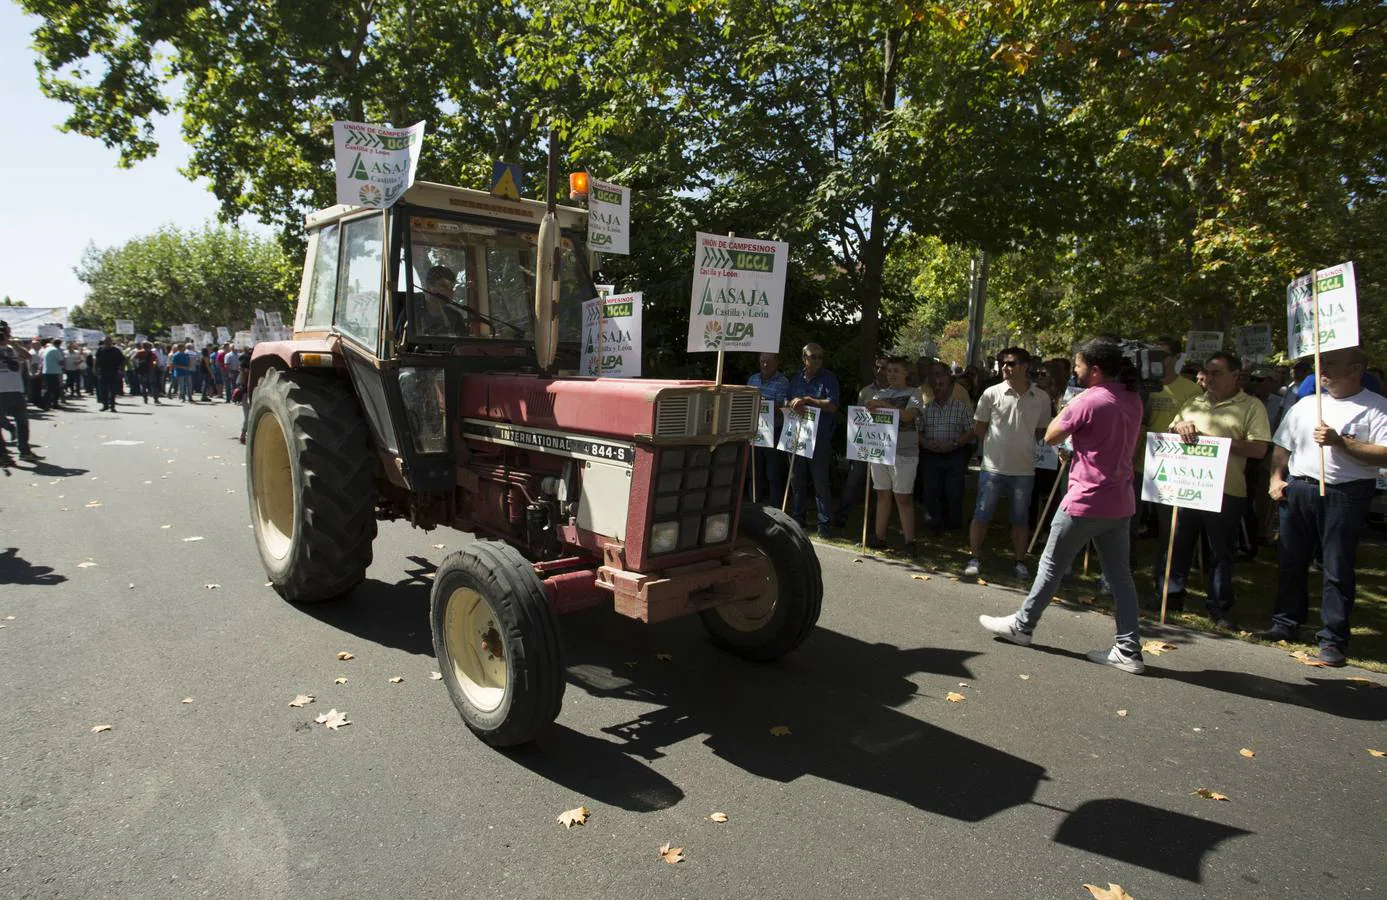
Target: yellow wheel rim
x=274 y=485
x=475 y=648
x=754 y=614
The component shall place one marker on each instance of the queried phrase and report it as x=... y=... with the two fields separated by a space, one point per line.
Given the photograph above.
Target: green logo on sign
x=707 y=308
x=358 y=170
x=605 y=196
x=613 y=310
x=744 y=260
x=712 y=335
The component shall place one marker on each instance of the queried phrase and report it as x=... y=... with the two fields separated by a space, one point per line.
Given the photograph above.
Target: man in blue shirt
x=769 y=469
x=815 y=386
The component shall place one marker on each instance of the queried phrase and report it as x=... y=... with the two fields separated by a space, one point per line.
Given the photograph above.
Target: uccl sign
x=1187 y=474
x=738 y=294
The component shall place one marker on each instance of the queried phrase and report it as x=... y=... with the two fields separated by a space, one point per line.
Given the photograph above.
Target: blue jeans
x=1018 y=489
x=1221 y=529
x=942 y=487
x=13 y=406
x=1068 y=535
x=818 y=472
x=1334 y=523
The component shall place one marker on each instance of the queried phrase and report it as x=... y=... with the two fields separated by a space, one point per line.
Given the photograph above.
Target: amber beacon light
x=577 y=185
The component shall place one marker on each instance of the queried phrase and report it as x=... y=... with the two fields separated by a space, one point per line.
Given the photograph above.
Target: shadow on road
x=14 y=569
x=392 y=615
x=1335 y=696
x=51 y=470
x=1156 y=839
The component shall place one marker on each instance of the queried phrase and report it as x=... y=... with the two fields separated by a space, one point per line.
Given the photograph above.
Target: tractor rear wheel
x=308 y=473
x=767 y=627
x=497 y=640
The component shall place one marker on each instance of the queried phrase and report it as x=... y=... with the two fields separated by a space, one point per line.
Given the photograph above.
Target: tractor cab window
x=478 y=281
x=358 y=282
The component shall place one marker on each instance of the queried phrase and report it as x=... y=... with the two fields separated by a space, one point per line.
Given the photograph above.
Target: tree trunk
x=874 y=251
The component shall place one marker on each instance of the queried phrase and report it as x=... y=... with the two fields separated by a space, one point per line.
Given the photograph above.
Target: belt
x=1308 y=480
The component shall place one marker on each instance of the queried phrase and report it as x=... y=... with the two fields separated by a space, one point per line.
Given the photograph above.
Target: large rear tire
x=308 y=473
x=767 y=627
x=497 y=641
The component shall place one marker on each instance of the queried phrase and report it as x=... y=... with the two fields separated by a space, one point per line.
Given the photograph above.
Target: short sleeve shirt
x=1362 y=417
x=1012 y=419
x=1103 y=423
x=907 y=440
x=823 y=386
x=1240 y=417
x=777 y=390
x=945 y=421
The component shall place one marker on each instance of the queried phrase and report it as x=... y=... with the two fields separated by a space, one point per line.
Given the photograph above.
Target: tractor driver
x=439 y=316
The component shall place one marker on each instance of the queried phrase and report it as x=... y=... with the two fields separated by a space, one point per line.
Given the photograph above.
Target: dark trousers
x=941 y=482
x=107 y=387
x=853 y=489
x=73 y=378
x=52 y=390
x=1221 y=532
x=149 y=385
x=13 y=407
x=816 y=470
x=768 y=474
x=1334 y=523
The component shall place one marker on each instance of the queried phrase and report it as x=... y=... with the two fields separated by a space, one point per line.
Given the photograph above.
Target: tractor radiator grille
x=672 y=416
x=741 y=417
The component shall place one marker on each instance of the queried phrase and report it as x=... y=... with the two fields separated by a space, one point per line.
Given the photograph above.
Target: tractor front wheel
x=497 y=641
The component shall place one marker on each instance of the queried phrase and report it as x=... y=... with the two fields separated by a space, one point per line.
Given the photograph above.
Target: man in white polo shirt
x=1009 y=418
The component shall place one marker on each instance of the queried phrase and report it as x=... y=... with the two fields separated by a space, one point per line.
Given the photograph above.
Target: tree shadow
x=14 y=569
x=1156 y=839
x=1334 y=696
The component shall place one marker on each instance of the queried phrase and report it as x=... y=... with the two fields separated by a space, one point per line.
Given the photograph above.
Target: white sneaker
x=1020 y=570
x=1118 y=660
x=1005 y=627
x=971 y=570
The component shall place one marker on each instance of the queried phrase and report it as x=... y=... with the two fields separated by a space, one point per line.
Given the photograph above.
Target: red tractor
x=416 y=387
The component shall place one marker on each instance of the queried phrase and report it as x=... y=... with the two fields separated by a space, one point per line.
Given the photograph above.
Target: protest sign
x=140 y=338
x=800 y=431
x=1200 y=345
x=91 y=337
x=605 y=290
x=375 y=164
x=738 y=294
x=609 y=218
x=1253 y=342
x=872 y=434
x=72 y=335
x=612 y=336
x=765 y=426
x=1046 y=457
x=223 y=334
x=242 y=340
x=1187 y=474
x=125 y=326
x=50 y=330
x=1338 y=311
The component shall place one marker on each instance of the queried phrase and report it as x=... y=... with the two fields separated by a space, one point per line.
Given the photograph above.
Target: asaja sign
x=1338 y=296
x=872 y=434
x=1183 y=473
x=738 y=294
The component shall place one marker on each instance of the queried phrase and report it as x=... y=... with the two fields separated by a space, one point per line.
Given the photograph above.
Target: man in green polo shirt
x=1224 y=410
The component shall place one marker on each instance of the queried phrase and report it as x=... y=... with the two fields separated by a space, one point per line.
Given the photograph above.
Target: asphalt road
x=1031 y=786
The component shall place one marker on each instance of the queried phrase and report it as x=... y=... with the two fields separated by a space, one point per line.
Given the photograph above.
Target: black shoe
x=875 y=543
x=1173 y=603
x=1223 y=621
x=1275 y=633
x=29 y=456
x=1332 y=656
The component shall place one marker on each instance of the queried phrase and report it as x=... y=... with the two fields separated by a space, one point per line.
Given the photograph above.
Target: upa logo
x=370 y=195
x=611 y=362
x=599 y=238
x=740 y=331
x=712 y=335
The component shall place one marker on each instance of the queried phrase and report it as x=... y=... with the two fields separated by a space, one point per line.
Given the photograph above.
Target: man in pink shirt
x=1103 y=423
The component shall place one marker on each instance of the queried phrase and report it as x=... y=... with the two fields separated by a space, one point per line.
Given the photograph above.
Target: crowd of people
x=50 y=374
x=1096 y=410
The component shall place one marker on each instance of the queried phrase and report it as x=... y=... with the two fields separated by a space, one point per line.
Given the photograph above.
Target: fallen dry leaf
x=269 y=584
x=953 y=578
x=570 y=817
x=433 y=676
x=93 y=504
x=189 y=540
x=671 y=855
x=340 y=679
x=165 y=526
x=663 y=657
x=719 y=817
x=1359 y=679
x=1025 y=678
x=9 y=618
x=1305 y=659
x=1247 y=753
x=1378 y=753
x=981 y=582
x=1210 y=795
x=439 y=546
x=397 y=679
x=187 y=699
x=1122 y=713
x=1156 y=648
x=301 y=700
x=85 y=565
x=1111 y=892
x=97 y=729
x=631 y=663
x=333 y=719
x=920 y=577
x=345 y=655
x=780 y=730
x=212 y=587
x=954 y=697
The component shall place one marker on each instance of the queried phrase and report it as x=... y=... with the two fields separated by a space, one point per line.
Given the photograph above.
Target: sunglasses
x=1010 y=363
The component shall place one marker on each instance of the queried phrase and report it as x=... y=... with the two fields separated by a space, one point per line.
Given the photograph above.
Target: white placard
x=242 y=340
x=738 y=294
x=223 y=334
x=1253 y=342
x=1200 y=345
x=1338 y=294
x=125 y=326
x=612 y=336
x=872 y=434
x=375 y=163
x=140 y=338
x=800 y=431
x=72 y=335
x=1188 y=474
x=609 y=218
x=92 y=337
x=765 y=426
x=274 y=320
x=50 y=330
x=1046 y=457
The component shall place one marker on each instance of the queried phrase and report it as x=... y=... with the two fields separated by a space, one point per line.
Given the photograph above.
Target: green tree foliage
x=8 y=302
x=213 y=276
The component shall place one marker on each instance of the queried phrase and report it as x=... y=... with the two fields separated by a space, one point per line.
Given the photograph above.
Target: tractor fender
x=313 y=354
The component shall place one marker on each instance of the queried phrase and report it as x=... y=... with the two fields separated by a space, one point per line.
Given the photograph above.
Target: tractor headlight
x=422 y=392
x=664 y=537
x=715 y=528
